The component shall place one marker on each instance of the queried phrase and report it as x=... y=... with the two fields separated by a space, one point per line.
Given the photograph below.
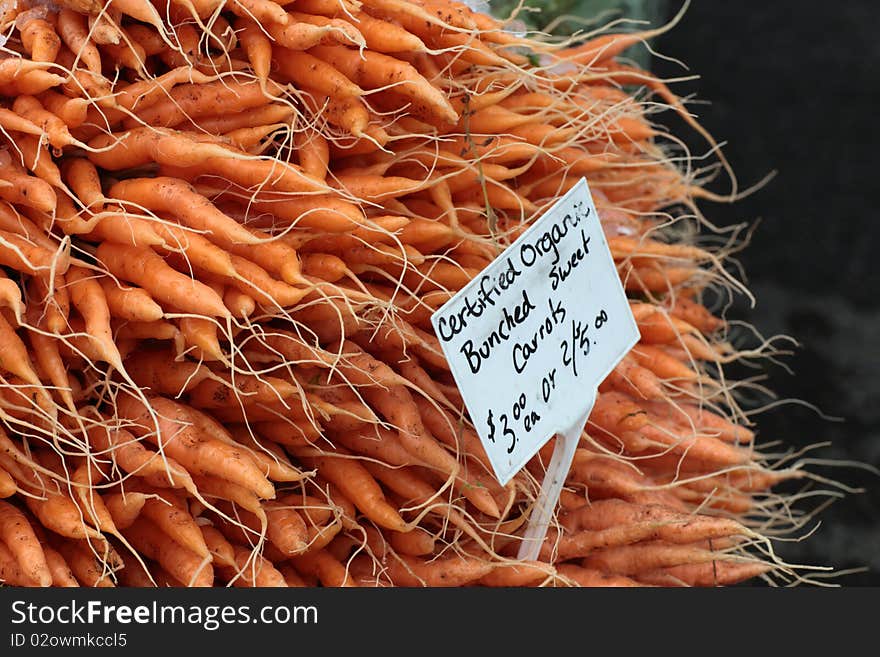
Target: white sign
x=530 y=338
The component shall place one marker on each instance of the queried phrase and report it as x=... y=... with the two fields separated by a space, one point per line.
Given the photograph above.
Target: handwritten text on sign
x=533 y=334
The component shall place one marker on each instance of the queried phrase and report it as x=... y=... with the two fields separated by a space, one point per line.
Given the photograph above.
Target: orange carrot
x=8 y=487
x=456 y=570
x=415 y=543
x=356 y=483
x=124 y=508
x=630 y=560
x=178 y=198
x=252 y=570
x=62 y=576
x=87 y=296
x=146 y=269
x=183 y=564
x=92 y=565
x=16 y=532
x=131 y=303
x=173 y=432
x=589 y=577
x=321 y=564
x=221 y=549
x=40 y=40
x=177 y=523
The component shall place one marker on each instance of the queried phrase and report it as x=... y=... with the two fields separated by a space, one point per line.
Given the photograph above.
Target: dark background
x=793 y=87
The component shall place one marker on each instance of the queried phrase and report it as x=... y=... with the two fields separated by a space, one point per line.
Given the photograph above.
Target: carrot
x=14 y=357
x=631 y=378
x=356 y=483
x=139 y=146
x=85 y=480
x=324 y=266
x=103 y=27
x=10 y=297
x=606 y=477
x=11 y=573
x=131 y=303
x=147 y=270
x=386 y=36
x=28 y=224
x=589 y=577
x=183 y=564
x=240 y=304
x=690 y=415
x=609 y=523
x=630 y=560
x=662 y=364
x=13 y=122
x=156 y=330
x=415 y=543
x=133 y=574
x=60 y=513
x=173 y=432
x=518 y=573
x=92 y=565
x=399 y=409
x=264 y=11
x=8 y=487
x=270 y=459
x=299 y=35
x=26 y=190
x=313 y=152
x=224 y=390
x=87 y=296
x=377 y=443
x=322 y=212
x=285 y=529
x=705 y=450
x=290 y=432
x=56 y=130
x=176 y=197
x=251 y=279
x=74 y=33
x=157 y=370
x=291 y=577
x=221 y=549
x=177 y=523
x=252 y=570
x=40 y=40
x=62 y=576
x=257 y=47
x=16 y=532
x=84 y=179
x=376 y=70
x=191 y=101
x=249 y=171
x=326 y=7
x=14 y=68
x=271 y=114
x=456 y=570
x=716 y=573
x=327 y=569
x=126 y=54
x=200 y=337
x=191 y=250
x=410 y=486
x=37 y=159
x=125 y=507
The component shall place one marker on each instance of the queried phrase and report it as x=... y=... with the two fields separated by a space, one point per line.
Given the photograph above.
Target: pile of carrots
x=224 y=226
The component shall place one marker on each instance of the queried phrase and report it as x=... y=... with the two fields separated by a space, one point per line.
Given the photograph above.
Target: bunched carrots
x=224 y=228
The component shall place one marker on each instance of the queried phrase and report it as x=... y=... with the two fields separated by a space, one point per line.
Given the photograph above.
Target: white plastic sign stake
x=530 y=338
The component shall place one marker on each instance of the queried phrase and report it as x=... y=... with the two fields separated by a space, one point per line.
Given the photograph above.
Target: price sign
x=530 y=338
